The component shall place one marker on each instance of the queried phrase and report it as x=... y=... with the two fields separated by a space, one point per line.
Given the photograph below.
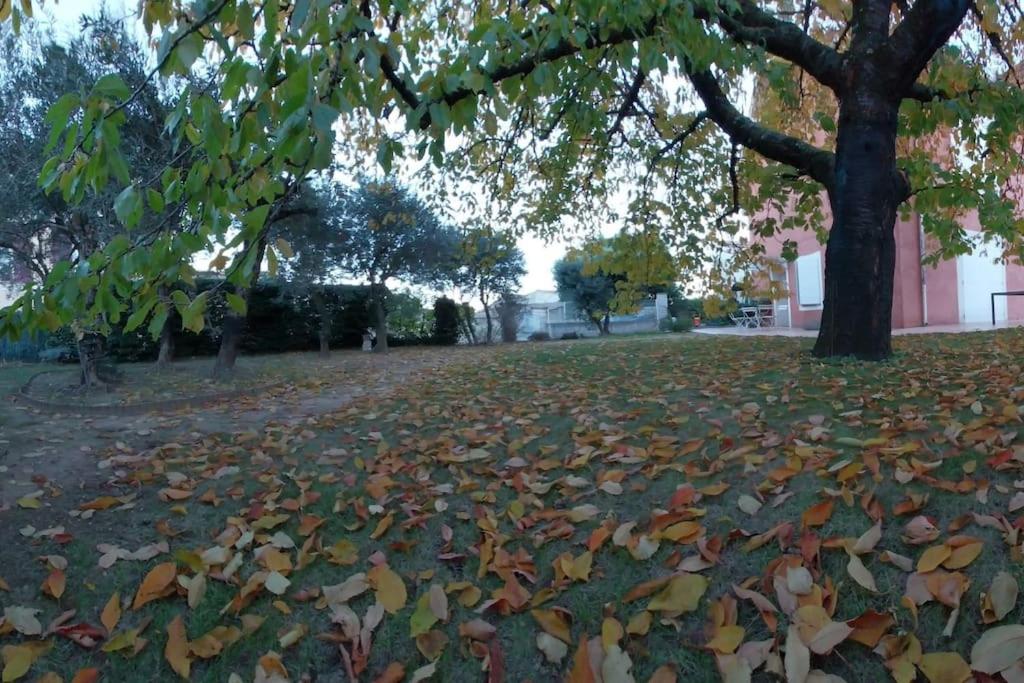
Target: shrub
x=446 y=322
x=676 y=325
x=571 y=335
x=539 y=336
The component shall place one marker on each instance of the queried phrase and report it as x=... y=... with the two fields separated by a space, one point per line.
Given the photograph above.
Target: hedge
x=280 y=319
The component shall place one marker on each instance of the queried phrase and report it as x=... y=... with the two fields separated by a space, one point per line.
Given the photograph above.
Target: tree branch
x=522 y=67
x=808 y=159
x=752 y=25
x=926 y=28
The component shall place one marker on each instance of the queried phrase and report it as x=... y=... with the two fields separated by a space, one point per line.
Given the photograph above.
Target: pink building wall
x=913 y=281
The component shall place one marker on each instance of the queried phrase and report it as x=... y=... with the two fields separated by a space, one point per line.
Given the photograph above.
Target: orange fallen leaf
x=111 y=613
x=817 y=515
x=176 y=651
x=158 y=583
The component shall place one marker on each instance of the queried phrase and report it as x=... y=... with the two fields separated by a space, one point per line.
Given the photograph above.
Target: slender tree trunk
x=234 y=324
x=324 y=327
x=380 y=315
x=166 y=354
x=606 y=324
x=860 y=257
x=487 y=317
x=466 y=314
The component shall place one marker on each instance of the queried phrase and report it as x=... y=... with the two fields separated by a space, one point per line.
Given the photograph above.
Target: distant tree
x=386 y=232
x=510 y=315
x=488 y=264
x=316 y=249
x=406 y=315
x=467 y=321
x=592 y=293
x=299 y=201
x=446 y=322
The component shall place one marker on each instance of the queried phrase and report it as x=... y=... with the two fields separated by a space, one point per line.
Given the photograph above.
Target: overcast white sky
x=540 y=255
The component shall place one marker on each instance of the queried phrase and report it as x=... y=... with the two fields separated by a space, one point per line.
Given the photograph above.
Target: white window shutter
x=809 y=280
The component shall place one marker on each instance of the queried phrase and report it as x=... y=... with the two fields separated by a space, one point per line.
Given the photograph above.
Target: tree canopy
x=565 y=104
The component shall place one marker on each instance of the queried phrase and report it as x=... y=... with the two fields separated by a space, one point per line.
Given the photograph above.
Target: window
x=808 y=280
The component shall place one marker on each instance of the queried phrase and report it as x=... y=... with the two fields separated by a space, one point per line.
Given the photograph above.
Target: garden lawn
x=682 y=508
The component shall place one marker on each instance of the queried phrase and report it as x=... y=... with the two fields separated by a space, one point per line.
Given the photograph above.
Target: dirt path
x=41 y=450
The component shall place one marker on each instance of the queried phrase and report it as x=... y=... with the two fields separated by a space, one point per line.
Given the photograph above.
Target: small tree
x=488 y=264
x=386 y=232
x=592 y=294
x=510 y=315
x=446 y=322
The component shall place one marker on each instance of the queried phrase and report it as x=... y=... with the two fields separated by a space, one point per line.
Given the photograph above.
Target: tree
x=592 y=293
x=44 y=235
x=311 y=236
x=510 y=315
x=563 y=103
x=385 y=233
x=488 y=264
x=446 y=322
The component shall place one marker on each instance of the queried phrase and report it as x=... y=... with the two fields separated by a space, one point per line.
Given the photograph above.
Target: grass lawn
x=696 y=507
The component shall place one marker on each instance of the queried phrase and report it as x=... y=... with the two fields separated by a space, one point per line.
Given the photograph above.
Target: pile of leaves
x=622 y=510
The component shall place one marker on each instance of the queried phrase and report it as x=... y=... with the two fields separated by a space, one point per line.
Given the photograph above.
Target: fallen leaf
x=856 y=569
x=111 y=613
x=157 y=584
x=998 y=648
x=18 y=659
x=176 y=651
x=944 y=667
x=1000 y=599
x=554 y=649
x=682 y=594
x=389 y=587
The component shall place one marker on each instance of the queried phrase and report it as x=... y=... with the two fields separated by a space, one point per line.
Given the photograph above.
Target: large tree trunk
x=90 y=350
x=606 y=324
x=166 y=356
x=234 y=324
x=380 y=315
x=860 y=258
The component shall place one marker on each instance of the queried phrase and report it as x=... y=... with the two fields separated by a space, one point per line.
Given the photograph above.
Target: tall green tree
x=563 y=103
x=488 y=264
x=386 y=233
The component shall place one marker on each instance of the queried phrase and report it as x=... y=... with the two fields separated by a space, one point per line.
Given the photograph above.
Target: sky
x=540 y=255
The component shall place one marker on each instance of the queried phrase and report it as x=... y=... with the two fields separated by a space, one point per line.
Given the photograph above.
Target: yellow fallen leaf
x=682 y=594
x=727 y=639
x=18 y=659
x=944 y=667
x=639 y=624
x=962 y=556
x=932 y=557
x=389 y=587
x=29 y=503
